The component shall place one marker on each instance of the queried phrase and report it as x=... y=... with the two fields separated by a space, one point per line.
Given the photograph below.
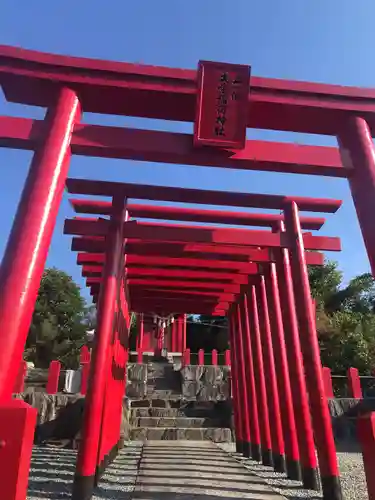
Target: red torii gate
x=66 y=86
x=272 y=447
x=192 y=267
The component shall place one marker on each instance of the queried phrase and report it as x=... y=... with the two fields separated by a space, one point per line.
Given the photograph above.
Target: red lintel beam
x=172 y=306
x=189 y=214
x=150 y=309
x=141 y=248
x=172 y=273
x=241 y=237
x=169 y=147
x=188 y=308
x=227 y=287
x=161 y=256
x=196 y=295
x=33 y=78
x=166 y=262
x=202 y=271
x=199 y=196
x=175 y=298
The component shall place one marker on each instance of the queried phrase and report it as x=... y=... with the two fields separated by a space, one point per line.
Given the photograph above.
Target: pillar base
x=279 y=464
x=239 y=447
x=293 y=469
x=107 y=460
x=246 y=449
x=310 y=478
x=255 y=452
x=331 y=487
x=83 y=487
x=267 y=458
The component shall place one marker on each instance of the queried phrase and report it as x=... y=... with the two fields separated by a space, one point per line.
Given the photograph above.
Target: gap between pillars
x=238 y=336
x=277 y=439
x=235 y=385
x=321 y=418
x=293 y=468
x=260 y=381
x=252 y=402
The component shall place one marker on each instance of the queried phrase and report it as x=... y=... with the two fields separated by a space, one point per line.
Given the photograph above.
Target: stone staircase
x=163 y=414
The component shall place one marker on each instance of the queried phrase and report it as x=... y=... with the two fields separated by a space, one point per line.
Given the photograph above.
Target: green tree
x=345 y=318
x=59 y=325
x=207 y=332
x=325 y=281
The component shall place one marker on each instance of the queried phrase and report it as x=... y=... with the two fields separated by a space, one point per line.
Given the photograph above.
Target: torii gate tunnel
x=256 y=278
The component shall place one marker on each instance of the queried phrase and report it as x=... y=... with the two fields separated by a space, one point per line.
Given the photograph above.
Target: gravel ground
x=352 y=477
x=52 y=470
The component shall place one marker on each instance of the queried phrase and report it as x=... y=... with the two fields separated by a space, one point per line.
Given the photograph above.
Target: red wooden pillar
x=260 y=380
x=27 y=248
x=243 y=389
x=296 y=371
x=19 y=385
x=140 y=332
x=327 y=382
x=323 y=432
x=186 y=357
x=53 y=377
x=85 y=355
x=357 y=153
x=252 y=402
x=174 y=335
x=227 y=357
x=278 y=451
x=237 y=403
x=366 y=437
x=184 y=331
x=179 y=334
x=201 y=357
x=85 y=372
x=88 y=451
x=140 y=356
x=214 y=357
x=293 y=468
x=20 y=274
x=354 y=384
x=17 y=427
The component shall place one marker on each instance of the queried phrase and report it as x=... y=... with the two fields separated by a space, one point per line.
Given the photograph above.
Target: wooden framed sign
x=222 y=105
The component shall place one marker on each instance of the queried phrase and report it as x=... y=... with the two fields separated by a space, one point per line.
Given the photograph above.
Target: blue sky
x=318 y=40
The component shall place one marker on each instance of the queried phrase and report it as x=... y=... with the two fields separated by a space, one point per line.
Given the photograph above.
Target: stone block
x=344 y=413
x=226 y=372
x=191 y=373
x=137 y=373
x=135 y=390
x=212 y=375
x=190 y=389
x=140 y=403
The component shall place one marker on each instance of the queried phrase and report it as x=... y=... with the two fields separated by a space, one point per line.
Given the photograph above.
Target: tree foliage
x=59 y=324
x=345 y=318
x=207 y=332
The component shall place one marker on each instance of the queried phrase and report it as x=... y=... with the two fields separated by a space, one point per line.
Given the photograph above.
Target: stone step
x=157 y=403
x=174 y=408
x=156 y=412
x=215 y=434
x=184 y=422
x=153 y=393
